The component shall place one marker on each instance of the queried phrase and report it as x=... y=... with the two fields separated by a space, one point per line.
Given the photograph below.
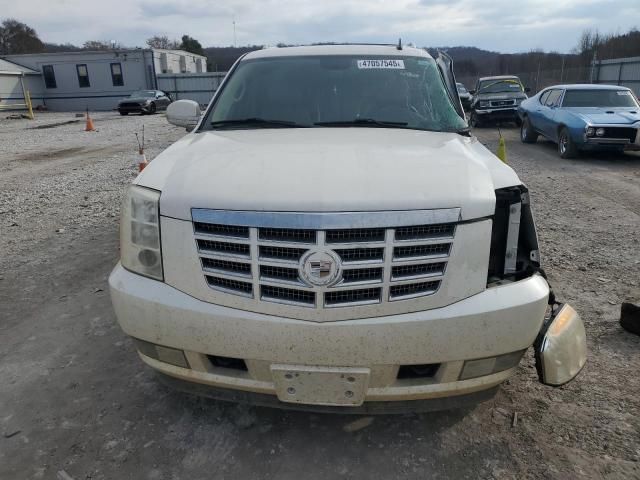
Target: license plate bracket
x=340 y=386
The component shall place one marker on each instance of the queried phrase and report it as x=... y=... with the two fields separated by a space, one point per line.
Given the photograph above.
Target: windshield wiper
x=361 y=122
x=256 y=122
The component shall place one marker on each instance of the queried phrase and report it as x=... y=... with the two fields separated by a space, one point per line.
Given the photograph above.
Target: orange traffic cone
x=142 y=160
x=89 y=127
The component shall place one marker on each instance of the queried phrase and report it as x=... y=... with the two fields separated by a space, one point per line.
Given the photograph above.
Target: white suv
x=330 y=235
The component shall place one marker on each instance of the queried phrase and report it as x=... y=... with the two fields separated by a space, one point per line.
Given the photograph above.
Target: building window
x=116 y=75
x=49 y=76
x=83 y=75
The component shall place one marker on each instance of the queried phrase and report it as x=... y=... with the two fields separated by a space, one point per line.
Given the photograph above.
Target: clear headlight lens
x=590 y=131
x=600 y=132
x=140 y=250
x=484 y=103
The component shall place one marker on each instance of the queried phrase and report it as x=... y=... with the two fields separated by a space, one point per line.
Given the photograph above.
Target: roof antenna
x=399 y=46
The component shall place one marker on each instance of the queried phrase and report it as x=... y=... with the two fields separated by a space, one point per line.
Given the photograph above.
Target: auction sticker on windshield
x=397 y=64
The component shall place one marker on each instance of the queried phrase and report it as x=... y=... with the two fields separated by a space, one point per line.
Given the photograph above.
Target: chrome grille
x=502 y=103
x=221 y=230
x=378 y=264
x=418 y=270
x=350 y=297
x=421 y=251
x=425 y=231
x=287 y=295
x=357 y=275
x=269 y=272
x=281 y=253
x=287 y=235
x=398 y=292
x=355 y=235
x=233 y=286
x=224 y=248
x=361 y=255
x=234 y=268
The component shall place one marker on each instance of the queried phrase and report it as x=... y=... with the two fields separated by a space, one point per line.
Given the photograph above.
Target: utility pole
x=562 y=69
x=235 y=44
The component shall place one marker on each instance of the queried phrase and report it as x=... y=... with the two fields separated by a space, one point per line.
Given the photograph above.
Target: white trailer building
x=98 y=79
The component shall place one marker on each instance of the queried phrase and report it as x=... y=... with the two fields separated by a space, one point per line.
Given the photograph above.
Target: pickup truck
x=496 y=99
x=330 y=236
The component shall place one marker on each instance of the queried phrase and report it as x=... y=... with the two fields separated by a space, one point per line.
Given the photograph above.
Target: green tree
x=97 y=45
x=191 y=45
x=17 y=37
x=162 y=41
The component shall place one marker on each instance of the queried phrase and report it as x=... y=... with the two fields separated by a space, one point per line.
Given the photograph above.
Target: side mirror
x=472 y=92
x=184 y=113
x=527 y=89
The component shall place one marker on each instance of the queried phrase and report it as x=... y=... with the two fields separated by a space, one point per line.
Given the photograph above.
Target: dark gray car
x=465 y=96
x=496 y=99
x=144 y=101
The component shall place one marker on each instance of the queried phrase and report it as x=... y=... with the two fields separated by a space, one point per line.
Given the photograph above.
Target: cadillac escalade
x=329 y=235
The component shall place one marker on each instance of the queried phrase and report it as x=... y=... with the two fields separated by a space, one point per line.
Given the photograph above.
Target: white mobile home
x=97 y=80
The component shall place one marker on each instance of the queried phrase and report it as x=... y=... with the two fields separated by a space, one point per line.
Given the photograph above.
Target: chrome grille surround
x=503 y=103
x=381 y=257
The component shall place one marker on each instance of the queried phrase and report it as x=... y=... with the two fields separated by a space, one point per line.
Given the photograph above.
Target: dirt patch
x=50 y=155
x=54 y=125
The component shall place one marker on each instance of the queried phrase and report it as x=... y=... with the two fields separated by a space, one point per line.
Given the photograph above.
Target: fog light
x=591 y=132
x=600 y=132
x=148 y=258
x=490 y=365
x=161 y=353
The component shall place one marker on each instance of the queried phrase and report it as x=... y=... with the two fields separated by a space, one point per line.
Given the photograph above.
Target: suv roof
x=346 y=49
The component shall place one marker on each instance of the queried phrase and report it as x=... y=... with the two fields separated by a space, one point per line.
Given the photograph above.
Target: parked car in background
x=465 y=96
x=496 y=99
x=583 y=117
x=144 y=101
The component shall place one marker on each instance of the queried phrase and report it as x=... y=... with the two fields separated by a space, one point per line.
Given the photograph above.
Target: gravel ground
x=57 y=178
x=76 y=401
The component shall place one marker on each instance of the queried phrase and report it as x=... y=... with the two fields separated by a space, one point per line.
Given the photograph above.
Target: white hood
x=326 y=170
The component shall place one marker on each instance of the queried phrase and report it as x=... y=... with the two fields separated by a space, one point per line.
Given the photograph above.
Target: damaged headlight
x=514 y=250
x=140 y=250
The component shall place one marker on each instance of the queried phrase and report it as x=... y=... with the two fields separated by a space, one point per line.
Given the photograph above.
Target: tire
x=152 y=108
x=124 y=113
x=566 y=147
x=527 y=133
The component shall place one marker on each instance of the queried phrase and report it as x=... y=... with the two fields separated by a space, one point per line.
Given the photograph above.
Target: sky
x=500 y=25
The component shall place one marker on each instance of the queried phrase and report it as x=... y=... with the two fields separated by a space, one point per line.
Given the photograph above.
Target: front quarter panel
x=574 y=123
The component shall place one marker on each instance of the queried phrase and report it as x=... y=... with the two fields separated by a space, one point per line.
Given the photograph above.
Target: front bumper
x=509 y=113
x=131 y=108
x=498 y=321
x=593 y=143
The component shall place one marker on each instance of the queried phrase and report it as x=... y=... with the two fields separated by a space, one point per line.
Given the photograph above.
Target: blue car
x=582 y=117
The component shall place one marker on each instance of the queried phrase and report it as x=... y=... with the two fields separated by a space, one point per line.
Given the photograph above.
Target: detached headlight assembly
x=140 y=250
